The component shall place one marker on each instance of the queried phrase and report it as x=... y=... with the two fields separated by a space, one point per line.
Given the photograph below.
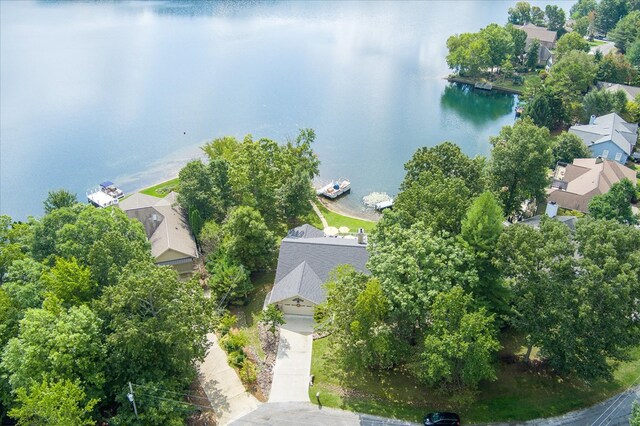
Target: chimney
x=599 y=160
x=592 y=119
x=552 y=209
x=360 y=236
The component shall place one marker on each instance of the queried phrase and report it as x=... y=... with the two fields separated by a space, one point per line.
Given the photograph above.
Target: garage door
x=303 y=308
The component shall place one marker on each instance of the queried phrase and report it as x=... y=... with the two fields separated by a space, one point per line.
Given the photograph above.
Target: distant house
x=546 y=38
x=630 y=91
x=608 y=136
x=167 y=230
x=306 y=258
x=574 y=185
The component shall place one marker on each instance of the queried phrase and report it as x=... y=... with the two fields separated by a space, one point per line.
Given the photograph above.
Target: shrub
x=248 y=373
x=518 y=80
x=234 y=342
x=226 y=323
x=236 y=358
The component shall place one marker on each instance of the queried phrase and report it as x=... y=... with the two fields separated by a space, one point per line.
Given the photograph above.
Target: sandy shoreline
x=341 y=210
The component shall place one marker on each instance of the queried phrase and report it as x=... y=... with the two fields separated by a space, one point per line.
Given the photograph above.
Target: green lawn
x=338 y=220
x=516 y=395
x=248 y=315
x=596 y=43
x=162 y=189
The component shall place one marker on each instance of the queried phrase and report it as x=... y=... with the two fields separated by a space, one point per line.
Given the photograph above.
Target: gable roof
x=630 y=91
x=304 y=257
x=586 y=178
x=539 y=33
x=164 y=224
x=608 y=128
x=535 y=221
x=302 y=281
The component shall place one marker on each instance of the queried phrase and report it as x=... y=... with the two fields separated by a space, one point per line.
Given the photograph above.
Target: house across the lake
x=306 y=258
x=608 y=136
x=574 y=185
x=167 y=230
x=631 y=91
x=546 y=38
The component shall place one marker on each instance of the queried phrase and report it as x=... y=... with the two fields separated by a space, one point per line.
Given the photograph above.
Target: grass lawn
x=248 y=315
x=338 y=220
x=508 y=83
x=516 y=395
x=162 y=189
x=596 y=43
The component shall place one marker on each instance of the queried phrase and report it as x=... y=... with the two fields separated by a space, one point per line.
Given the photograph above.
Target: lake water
x=129 y=91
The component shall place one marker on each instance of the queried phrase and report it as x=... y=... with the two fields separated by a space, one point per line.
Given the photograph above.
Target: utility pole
x=132 y=399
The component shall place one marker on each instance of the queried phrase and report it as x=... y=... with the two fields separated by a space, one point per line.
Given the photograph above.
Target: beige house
x=172 y=242
x=574 y=185
x=544 y=36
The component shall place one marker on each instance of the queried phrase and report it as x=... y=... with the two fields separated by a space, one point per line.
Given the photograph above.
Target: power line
x=168 y=391
x=625 y=394
x=176 y=401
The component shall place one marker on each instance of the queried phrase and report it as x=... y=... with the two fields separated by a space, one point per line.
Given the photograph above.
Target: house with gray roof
x=167 y=230
x=608 y=136
x=546 y=37
x=305 y=262
x=631 y=91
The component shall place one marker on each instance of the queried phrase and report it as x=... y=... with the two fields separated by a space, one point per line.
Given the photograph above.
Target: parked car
x=442 y=419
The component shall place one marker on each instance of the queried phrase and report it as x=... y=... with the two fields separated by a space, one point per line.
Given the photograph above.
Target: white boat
x=107 y=194
x=335 y=189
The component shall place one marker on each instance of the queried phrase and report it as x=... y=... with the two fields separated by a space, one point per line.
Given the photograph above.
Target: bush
x=518 y=80
x=226 y=323
x=234 y=342
x=248 y=373
x=237 y=358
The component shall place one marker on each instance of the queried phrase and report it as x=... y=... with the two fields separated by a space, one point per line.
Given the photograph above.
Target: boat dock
x=483 y=85
x=384 y=205
x=335 y=189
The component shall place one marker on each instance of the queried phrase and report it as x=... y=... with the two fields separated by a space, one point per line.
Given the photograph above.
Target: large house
x=631 y=91
x=608 y=136
x=306 y=258
x=574 y=185
x=167 y=230
x=546 y=38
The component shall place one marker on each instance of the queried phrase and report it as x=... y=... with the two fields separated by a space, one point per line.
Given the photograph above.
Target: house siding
x=613 y=149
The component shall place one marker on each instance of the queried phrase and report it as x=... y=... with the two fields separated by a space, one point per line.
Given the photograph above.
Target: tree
x=520 y=159
x=626 y=31
x=156 y=327
x=23 y=283
x=58 y=199
x=574 y=72
x=415 y=263
x=14 y=243
x=635 y=415
x=616 y=69
x=357 y=317
x=295 y=198
x=70 y=282
x=520 y=14
x=211 y=238
x=633 y=53
x=481 y=229
x=468 y=54
x=500 y=44
x=567 y=146
x=272 y=317
x=602 y=102
x=45 y=232
x=247 y=240
x=229 y=281
x=582 y=8
x=196 y=190
x=571 y=41
x=581 y=26
x=608 y=13
x=460 y=343
x=533 y=54
x=537 y=16
x=519 y=38
x=555 y=18
x=59 y=344
x=57 y=403
x=615 y=204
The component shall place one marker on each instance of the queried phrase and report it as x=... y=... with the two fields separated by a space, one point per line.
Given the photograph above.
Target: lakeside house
x=172 y=242
x=307 y=256
x=574 y=185
x=608 y=136
x=630 y=91
x=546 y=38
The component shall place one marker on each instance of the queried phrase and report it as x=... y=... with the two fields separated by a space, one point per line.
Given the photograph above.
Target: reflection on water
x=476 y=106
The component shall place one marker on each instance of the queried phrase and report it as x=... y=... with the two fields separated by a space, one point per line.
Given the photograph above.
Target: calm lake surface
x=129 y=91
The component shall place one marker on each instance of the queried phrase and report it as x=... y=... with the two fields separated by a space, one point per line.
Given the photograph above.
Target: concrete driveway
x=293 y=361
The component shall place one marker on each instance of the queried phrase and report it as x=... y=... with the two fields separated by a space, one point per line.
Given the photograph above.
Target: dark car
x=448 y=419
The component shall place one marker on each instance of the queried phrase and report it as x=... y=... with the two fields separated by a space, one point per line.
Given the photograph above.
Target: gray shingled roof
x=320 y=255
x=303 y=282
x=305 y=231
x=610 y=127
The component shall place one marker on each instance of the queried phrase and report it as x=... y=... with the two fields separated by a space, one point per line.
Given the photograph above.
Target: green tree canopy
x=633 y=53
x=602 y=102
x=616 y=69
x=58 y=199
x=575 y=72
x=519 y=38
x=582 y=8
x=537 y=16
x=468 y=53
x=520 y=14
x=567 y=146
x=571 y=41
x=197 y=190
x=70 y=282
x=520 y=159
x=533 y=54
x=615 y=204
x=555 y=18
x=229 y=281
x=500 y=43
x=626 y=31
x=460 y=343
x=609 y=12
x=23 y=283
x=247 y=240
x=56 y=403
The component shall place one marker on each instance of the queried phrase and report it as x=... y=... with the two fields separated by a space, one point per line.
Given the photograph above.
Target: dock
x=384 y=205
x=483 y=85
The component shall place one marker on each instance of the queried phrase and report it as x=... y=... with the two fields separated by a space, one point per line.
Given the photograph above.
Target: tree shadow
x=476 y=106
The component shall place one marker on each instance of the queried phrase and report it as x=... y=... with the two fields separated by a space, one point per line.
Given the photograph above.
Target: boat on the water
x=335 y=189
x=107 y=194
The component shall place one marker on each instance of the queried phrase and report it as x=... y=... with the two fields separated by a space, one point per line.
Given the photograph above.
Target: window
x=618 y=156
x=605 y=153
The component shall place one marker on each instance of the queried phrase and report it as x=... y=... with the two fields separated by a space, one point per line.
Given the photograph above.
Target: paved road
x=293 y=361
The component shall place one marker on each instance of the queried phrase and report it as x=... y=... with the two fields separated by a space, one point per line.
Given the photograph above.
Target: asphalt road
x=613 y=412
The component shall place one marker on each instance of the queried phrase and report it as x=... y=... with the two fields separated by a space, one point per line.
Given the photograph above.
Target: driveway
x=293 y=361
x=605 y=48
x=223 y=387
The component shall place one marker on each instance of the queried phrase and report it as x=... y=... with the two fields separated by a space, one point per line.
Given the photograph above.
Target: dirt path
x=319 y=213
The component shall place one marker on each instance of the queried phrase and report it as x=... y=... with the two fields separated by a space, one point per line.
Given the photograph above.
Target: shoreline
x=472 y=82
x=337 y=209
